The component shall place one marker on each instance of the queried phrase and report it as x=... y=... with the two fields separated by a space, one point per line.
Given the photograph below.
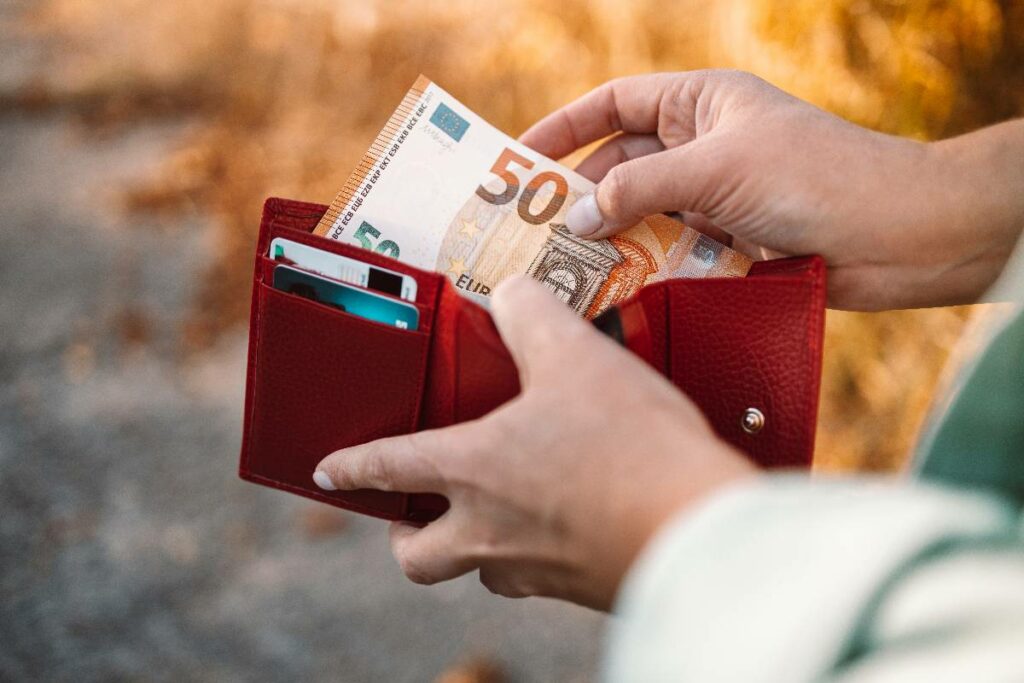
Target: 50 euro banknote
x=443 y=190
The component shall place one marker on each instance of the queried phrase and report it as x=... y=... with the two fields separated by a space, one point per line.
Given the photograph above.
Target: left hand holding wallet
x=546 y=499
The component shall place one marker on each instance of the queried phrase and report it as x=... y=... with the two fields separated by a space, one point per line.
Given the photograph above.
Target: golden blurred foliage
x=286 y=94
x=921 y=68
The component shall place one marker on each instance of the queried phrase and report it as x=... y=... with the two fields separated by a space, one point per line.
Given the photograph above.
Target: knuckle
x=418 y=576
x=487 y=580
x=487 y=546
x=457 y=451
x=483 y=542
x=616 y=82
x=611 y=196
x=727 y=155
x=377 y=472
x=731 y=76
x=742 y=82
x=412 y=567
x=417 y=443
x=493 y=582
x=423 y=452
x=506 y=586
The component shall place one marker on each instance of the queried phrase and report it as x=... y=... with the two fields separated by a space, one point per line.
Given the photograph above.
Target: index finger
x=407 y=463
x=539 y=331
x=629 y=104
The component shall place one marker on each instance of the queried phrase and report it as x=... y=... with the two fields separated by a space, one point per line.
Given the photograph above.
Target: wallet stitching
x=251 y=380
x=269 y=206
x=815 y=331
x=666 y=311
x=279 y=206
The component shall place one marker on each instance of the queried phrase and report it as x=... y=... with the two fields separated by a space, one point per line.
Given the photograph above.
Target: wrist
x=979 y=194
x=937 y=224
x=689 y=487
x=643 y=510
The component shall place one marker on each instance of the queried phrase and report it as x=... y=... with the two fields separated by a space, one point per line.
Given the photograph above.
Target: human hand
x=555 y=492
x=900 y=223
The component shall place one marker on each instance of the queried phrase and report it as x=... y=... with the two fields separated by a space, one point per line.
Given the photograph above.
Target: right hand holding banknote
x=900 y=223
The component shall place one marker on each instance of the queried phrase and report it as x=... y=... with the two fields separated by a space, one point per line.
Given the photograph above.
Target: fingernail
x=321 y=479
x=584 y=218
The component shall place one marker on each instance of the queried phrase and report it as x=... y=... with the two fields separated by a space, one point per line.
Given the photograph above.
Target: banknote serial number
x=381 y=166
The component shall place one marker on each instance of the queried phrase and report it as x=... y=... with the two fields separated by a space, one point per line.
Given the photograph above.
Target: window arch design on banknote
x=574 y=269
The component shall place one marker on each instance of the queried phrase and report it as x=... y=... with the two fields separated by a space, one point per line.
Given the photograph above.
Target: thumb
x=679 y=179
x=541 y=332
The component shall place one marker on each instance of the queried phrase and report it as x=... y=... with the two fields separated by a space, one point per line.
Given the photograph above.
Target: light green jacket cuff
x=792 y=579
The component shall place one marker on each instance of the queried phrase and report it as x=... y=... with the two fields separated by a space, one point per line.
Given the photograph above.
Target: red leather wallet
x=746 y=350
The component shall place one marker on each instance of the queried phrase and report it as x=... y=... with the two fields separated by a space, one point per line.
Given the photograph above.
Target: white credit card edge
x=334 y=266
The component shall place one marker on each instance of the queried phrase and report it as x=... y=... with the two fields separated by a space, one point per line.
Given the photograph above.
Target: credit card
x=353 y=300
x=343 y=268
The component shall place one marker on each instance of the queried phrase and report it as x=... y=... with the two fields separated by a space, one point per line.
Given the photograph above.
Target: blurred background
x=137 y=142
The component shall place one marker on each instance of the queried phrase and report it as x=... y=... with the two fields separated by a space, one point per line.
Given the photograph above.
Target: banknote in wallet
x=443 y=190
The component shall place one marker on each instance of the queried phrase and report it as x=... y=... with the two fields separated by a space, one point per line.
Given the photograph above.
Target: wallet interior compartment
x=265 y=274
x=320 y=380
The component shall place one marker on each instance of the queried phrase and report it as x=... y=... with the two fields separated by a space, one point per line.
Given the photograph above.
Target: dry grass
x=287 y=94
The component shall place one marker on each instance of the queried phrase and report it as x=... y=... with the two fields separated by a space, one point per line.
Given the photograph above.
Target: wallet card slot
x=428 y=284
x=321 y=380
x=266 y=267
x=297 y=221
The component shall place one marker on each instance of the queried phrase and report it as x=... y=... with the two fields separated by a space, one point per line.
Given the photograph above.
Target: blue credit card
x=353 y=300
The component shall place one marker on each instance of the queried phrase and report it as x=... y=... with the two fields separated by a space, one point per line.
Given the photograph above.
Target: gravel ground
x=129 y=549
